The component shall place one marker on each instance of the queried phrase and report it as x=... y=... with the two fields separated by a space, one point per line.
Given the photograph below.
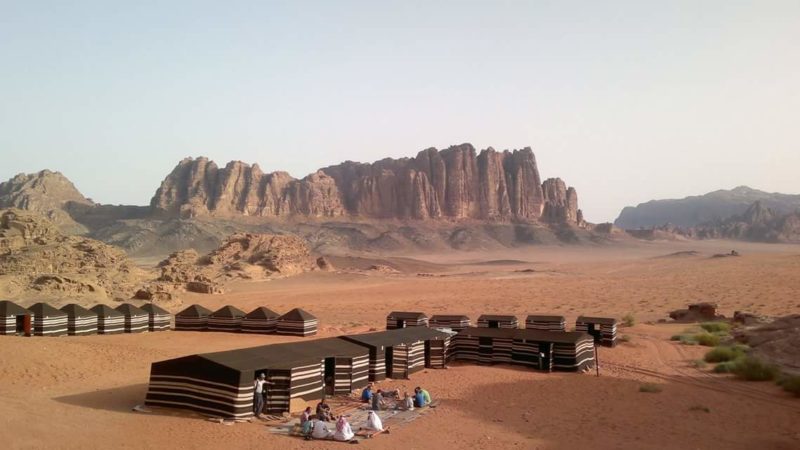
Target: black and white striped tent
x=604 y=329
x=221 y=383
x=402 y=319
x=260 y=320
x=543 y=350
x=136 y=319
x=227 y=318
x=80 y=320
x=400 y=352
x=193 y=318
x=109 y=320
x=14 y=319
x=453 y=321
x=546 y=322
x=47 y=320
x=158 y=318
x=297 y=322
x=497 y=321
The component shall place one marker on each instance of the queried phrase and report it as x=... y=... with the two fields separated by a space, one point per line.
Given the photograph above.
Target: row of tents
x=221 y=383
x=42 y=319
x=296 y=322
x=603 y=329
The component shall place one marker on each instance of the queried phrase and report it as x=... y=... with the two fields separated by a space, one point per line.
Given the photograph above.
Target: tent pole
x=596 y=359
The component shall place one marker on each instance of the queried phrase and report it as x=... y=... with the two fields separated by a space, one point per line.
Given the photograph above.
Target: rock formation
x=455 y=183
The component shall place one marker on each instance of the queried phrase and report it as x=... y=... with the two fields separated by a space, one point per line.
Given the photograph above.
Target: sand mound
x=683 y=254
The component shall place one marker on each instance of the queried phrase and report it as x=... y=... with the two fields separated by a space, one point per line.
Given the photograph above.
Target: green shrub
x=723 y=353
x=628 y=320
x=685 y=339
x=791 y=384
x=716 y=327
x=727 y=366
x=650 y=387
x=753 y=369
x=698 y=364
x=707 y=339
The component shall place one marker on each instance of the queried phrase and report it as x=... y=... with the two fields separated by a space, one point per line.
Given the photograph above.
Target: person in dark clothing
x=324 y=412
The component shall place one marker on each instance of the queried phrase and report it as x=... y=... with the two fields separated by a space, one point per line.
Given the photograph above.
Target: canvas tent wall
x=135 y=318
x=228 y=318
x=497 y=321
x=80 y=320
x=402 y=319
x=158 y=318
x=47 y=320
x=604 y=329
x=14 y=319
x=454 y=322
x=297 y=322
x=260 y=320
x=193 y=318
x=109 y=320
x=400 y=352
x=546 y=322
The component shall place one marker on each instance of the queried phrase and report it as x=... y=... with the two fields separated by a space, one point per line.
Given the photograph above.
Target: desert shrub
x=685 y=339
x=791 y=384
x=698 y=364
x=625 y=338
x=723 y=353
x=727 y=366
x=650 y=387
x=700 y=408
x=628 y=320
x=707 y=339
x=716 y=327
x=753 y=369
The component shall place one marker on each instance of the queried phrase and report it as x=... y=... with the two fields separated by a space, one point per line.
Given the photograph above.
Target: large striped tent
x=221 y=383
x=497 y=321
x=227 y=318
x=453 y=321
x=80 y=320
x=546 y=322
x=109 y=320
x=260 y=320
x=402 y=319
x=400 y=352
x=543 y=350
x=136 y=319
x=47 y=320
x=14 y=319
x=604 y=329
x=297 y=322
x=193 y=318
x=158 y=318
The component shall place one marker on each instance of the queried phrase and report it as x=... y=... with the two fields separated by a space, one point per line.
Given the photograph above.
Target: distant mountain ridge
x=697 y=210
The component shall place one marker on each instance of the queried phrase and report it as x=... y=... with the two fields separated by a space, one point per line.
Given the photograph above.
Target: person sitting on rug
x=426 y=396
x=320 y=430
x=377 y=401
x=395 y=394
x=373 y=421
x=324 y=411
x=408 y=403
x=305 y=421
x=419 y=399
x=366 y=394
x=343 y=430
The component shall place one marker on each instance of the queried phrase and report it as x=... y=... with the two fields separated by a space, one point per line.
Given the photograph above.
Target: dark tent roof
x=9 y=308
x=566 y=337
x=284 y=356
x=228 y=311
x=496 y=317
x=262 y=313
x=130 y=310
x=105 y=311
x=298 y=314
x=73 y=310
x=407 y=315
x=154 y=309
x=195 y=311
x=390 y=338
x=600 y=320
x=545 y=317
x=449 y=317
x=43 y=309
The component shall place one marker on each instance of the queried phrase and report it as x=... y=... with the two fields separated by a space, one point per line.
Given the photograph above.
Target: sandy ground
x=77 y=392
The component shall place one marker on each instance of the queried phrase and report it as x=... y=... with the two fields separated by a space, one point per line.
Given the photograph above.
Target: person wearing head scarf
x=343 y=430
x=408 y=402
x=320 y=430
x=373 y=421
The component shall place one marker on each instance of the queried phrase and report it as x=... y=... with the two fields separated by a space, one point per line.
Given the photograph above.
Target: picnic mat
x=357 y=416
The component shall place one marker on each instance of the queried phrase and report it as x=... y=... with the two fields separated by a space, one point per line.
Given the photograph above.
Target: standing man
x=258 y=394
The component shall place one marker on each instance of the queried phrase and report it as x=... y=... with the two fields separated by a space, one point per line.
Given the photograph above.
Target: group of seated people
x=381 y=399
x=316 y=427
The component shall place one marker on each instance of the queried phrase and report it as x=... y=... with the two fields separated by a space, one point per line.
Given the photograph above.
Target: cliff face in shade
x=455 y=183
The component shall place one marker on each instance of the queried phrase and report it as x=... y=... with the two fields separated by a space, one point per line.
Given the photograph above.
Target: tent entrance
x=427 y=353
x=594 y=330
x=546 y=356
x=401 y=323
x=330 y=375
x=20 y=324
x=494 y=324
x=389 y=361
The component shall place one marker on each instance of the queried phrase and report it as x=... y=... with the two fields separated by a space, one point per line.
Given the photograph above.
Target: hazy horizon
x=625 y=101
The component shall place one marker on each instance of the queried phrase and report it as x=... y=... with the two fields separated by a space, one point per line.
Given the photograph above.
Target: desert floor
x=77 y=392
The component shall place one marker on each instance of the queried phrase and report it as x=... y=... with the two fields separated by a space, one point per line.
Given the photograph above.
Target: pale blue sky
x=627 y=101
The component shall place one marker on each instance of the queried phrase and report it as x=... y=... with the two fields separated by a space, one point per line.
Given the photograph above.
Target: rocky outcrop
x=758 y=223
x=455 y=183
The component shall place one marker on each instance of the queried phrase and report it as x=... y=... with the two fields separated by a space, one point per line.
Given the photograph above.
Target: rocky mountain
x=455 y=183
x=758 y=223
x=696 y=210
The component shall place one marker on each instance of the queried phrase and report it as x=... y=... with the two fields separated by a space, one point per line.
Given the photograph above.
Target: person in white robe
x=374 y=422
x=343 y=430
x=320 y=430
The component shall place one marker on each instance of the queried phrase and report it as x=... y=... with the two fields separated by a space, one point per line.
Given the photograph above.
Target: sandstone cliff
x=455 y=183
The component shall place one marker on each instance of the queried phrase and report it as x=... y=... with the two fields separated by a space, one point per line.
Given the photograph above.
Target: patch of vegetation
x=726 y=367
x=791 y=384
x=650 y=388
x=707 y=339
x=716 y=327
x=724 y=353
x=702 y=408
x=698 y=364
x=628 y=320
x=685 y=339
x=625 y=338
x=751 y=368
